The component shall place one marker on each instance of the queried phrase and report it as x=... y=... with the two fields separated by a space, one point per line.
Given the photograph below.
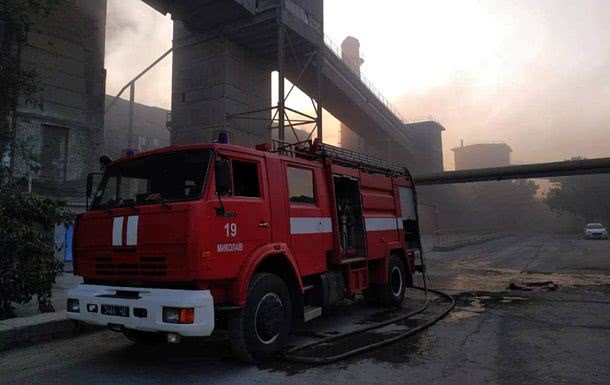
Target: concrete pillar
x=213 y=77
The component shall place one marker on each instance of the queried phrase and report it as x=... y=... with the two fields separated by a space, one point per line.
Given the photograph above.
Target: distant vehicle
x=596 y=231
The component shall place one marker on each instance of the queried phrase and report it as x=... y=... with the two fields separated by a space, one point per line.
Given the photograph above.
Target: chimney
x=350 y=53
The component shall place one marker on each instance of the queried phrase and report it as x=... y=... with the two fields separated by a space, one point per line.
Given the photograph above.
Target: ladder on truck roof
x=342 y=156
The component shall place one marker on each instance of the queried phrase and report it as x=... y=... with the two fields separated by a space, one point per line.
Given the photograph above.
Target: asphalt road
x=494 y=336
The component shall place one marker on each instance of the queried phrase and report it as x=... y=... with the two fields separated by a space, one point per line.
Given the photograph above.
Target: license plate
x=115 y=310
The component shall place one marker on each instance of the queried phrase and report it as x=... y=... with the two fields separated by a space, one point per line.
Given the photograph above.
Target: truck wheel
x=393 y=293
x=261 y=329
x=144 y=338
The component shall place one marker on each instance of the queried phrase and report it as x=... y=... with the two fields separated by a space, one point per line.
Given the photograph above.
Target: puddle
x=485 y=278
x=403 y=351
x=469 y=305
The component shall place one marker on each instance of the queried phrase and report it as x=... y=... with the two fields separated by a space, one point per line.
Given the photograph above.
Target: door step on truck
x=311 y=312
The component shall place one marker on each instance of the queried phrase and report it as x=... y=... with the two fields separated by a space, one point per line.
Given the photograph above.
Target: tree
x=497 y=203
x=27 y=262
x=587 y=196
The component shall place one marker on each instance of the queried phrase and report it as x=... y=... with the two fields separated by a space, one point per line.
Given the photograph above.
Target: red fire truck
x=184 y=240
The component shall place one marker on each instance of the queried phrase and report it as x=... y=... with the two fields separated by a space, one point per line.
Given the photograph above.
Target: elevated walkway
x=255 y=25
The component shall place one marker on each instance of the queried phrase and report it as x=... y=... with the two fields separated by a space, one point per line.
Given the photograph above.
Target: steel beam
x=525 y=171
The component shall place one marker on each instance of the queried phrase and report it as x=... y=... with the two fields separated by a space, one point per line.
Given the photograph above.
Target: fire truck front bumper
x=189 y=313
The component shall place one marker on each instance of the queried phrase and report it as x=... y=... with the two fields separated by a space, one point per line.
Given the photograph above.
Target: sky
x=532 y=73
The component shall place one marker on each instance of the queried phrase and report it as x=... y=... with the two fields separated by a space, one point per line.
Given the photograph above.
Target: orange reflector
x=206 y=253
x=187 y=315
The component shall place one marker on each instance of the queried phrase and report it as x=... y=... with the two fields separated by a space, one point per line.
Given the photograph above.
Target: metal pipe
x=537 y=170
x=138 y=77
x=280 y=75
x=319 y=111
x=132 y=100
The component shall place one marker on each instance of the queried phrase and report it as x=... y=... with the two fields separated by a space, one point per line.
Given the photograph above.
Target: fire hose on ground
x=291 y=355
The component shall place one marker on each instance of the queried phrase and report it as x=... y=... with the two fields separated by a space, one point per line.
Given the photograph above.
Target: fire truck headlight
x=73 y=305
x=176 y=315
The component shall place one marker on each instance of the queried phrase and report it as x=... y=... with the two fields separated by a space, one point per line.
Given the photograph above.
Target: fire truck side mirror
x=93 y=180
x=222 y=170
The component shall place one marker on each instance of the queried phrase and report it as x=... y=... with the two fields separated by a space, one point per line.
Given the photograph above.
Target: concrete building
x=213 y=77
x=150 y=129
x=427 y=145
x=224 y=52
x=64 y=129
x=62 y=133
x=481 y=155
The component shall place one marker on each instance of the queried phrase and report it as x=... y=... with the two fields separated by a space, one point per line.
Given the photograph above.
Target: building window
x=245 y=179
x=300 y=185
x=54 y=153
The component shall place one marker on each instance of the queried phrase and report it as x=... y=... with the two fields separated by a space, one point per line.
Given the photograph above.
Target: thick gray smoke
x=136 y=35
x=550 y=99
x=119 y=23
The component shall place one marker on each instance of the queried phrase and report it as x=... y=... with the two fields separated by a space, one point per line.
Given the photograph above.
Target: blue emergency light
x=223 y=137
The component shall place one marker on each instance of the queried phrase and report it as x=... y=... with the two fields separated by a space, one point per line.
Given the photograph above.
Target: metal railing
x=453 y=238
x=308 y=150
x=310 y=20
x=334 y=48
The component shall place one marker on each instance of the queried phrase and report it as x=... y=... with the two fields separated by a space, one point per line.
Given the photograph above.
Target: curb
x=467 y=243
x=20 y=332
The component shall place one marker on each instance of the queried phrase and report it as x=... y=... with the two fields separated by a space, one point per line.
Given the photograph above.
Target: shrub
x=28 y=265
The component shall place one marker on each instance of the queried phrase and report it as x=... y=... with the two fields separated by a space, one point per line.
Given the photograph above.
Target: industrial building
x=150 y=127
x=64 y=128
x=481 y=155
x=221 y=82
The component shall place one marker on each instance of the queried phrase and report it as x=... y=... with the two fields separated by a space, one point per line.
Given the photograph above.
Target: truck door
x=246 y=223
x=310 y=222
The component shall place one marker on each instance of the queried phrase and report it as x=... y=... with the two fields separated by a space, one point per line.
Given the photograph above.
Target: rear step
x=311 y=312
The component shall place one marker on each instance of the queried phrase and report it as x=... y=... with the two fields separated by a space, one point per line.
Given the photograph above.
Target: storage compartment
x=349 y=213
x=409 y=217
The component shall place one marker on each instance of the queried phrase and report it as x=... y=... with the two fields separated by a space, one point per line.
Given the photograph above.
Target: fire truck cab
x=184 y=240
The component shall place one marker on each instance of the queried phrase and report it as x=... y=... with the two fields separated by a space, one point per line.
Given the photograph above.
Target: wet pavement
x=494 y=336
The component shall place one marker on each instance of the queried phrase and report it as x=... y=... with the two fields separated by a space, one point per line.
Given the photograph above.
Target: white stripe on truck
x=132 y=230
x=117 y=231
x=310 y=225
x=324 y=225
x=382 y=224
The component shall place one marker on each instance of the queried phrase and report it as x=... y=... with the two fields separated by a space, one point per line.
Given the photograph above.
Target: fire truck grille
x=142 y=267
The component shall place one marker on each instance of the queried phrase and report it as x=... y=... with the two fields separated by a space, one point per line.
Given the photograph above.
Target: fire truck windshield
x=160 y=178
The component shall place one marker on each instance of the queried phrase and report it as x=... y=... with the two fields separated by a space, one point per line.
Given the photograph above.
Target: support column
x=213 y=78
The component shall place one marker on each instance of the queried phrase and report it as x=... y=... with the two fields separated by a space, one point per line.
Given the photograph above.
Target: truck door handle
x=264 y=224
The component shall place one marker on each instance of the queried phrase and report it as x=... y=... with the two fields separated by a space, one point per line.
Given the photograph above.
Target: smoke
x=535 y=74
x=119 y=23
x=546 y=94
x=136 y=35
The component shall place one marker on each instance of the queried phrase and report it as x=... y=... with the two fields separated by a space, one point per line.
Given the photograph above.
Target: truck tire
x=261 y=329
x=143 y=338
x=393 y=293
